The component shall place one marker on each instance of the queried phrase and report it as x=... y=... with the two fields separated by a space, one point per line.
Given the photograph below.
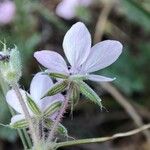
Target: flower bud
x=10 y=65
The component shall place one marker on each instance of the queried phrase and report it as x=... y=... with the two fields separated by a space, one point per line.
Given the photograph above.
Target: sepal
x=33 y=106
x=60 y=129
x=19 y=124
x=57 y=88
x=52 y=109
x=89 y=93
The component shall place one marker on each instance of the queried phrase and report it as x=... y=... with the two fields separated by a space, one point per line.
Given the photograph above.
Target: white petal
x=99 y=78
x=17 y=118
x=77 y=44
x=51 y=60
x=102 y=55
x=40 y=84
x=13 y=101
x=49 y=100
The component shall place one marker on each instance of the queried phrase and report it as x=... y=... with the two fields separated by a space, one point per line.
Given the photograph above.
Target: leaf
x=58 y=75
x=57 y=88
x=33 y=106
x=136 y=13
x=20 y=124
x=52 y=109
x=89 y=93
x=61 y=129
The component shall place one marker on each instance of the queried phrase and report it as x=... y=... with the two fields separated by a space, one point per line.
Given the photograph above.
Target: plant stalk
x=27 y=115
x=21 y=133
x=103 y=139
x=58 y=119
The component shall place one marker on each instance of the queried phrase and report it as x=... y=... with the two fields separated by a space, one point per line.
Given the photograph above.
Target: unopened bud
x=10 y=65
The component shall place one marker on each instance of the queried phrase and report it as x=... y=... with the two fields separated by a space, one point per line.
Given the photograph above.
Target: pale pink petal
x=99 y=78
x=17 y=118
x=77 y=44
x=66 y=9
x=102 y=55
x=51 y=60
x=13 y=101
x=7 y=12
x=40 y=84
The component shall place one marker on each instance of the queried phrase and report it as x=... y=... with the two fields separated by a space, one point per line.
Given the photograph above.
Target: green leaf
x=57 y=88
x=20 y=124
x=58 y=75
x=52 y=109
x=61 y=129
x=33 y=106
x=89 y=93
x=136 y=13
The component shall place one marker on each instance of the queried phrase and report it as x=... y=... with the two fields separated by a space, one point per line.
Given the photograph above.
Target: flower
x=7 y=12
x=39 y=85
x=67 y=8
x=83 y=59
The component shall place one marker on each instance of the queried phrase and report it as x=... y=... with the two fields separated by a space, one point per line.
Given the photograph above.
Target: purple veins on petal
x=82 y=58
x=77 y=44
x=102 y=55
x=51 y=60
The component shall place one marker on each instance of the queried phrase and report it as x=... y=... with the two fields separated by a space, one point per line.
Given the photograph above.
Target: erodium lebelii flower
x=83 y=59
x=7 y=12
x=67 y=8
x=39 y=84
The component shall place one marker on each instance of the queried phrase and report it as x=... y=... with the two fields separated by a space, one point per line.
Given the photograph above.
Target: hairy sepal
x=57 y=88
x=33 y=106
x=52 y=109
x=19 y=124
x=89 y=93
x=58 y=75
x=60 y=129
x=74 y=95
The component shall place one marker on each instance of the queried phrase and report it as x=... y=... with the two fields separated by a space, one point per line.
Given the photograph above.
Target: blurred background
x=41 y=24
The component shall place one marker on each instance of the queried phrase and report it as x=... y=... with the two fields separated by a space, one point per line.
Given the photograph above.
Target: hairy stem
x=27 y=115
x=58 y=118
x=103 y=139
x=22 y=134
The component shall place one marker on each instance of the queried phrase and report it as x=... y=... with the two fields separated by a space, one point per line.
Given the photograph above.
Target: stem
x=28 y=139
x=58 y=119
x=22 y=139
x=21 y=133
x=27 y=115
x=103 y=139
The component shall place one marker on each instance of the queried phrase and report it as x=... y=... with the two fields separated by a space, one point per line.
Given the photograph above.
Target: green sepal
x=60 y=129
x=74 y=95
x=19 y=124
x=89 y=93
x=52 y=109
x=57 y=88
x=58 y=75
x=33 y=106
